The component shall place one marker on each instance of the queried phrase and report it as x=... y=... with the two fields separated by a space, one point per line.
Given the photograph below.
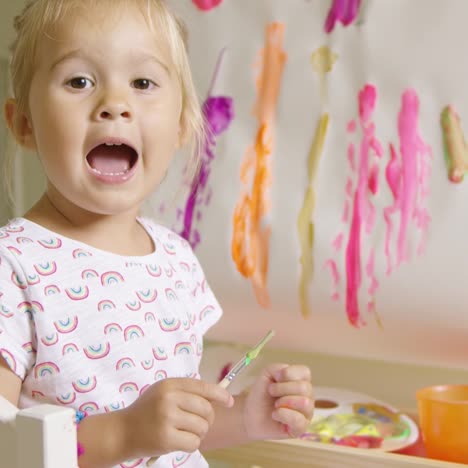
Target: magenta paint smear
x=206 y=5
x=407 y=176
x=219 y=113
x=343 y=11
x=359 y=212
x=363 y=211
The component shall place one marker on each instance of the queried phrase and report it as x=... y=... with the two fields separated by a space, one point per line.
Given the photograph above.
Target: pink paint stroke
x=351 y=157
x=407 y=175
x=393 y=176
x=370 y=270
x=374 y=179
x=345 y=216
x=349 y=187
x=363 y=210
x=206 y=5
x=343 y=11
x=219 y=113
x=331 y=264
x=338 y=242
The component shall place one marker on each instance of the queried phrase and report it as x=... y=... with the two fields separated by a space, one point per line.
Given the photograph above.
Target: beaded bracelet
x=79 y=416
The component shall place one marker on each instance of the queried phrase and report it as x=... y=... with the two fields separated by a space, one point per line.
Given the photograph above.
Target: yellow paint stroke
x=305 y=225
x=251 y=233
x=455 y=148
x=322 y=61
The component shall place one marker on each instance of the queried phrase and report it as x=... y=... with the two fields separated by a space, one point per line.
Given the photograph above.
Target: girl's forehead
x=97 y=21
x=94 y=29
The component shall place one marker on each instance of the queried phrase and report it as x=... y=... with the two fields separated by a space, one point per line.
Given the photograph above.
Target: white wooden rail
x=39 y=437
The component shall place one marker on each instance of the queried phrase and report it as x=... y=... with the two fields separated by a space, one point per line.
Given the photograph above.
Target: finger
x=192 y=423
x=186 y=441
x=272 y=370
x=302 y=404
x=215 y=394
x=195 y=404
x=294 y=372
x=294 y=421
x=210 y=391
x=295 y=387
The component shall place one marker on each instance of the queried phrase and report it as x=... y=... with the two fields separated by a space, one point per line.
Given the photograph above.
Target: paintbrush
x=237 y=369
x=246 y=360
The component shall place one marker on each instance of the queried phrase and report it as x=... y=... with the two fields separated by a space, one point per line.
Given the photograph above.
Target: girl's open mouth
x=112 y=162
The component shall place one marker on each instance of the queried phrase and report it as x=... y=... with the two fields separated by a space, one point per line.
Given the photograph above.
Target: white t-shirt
x=91 y=330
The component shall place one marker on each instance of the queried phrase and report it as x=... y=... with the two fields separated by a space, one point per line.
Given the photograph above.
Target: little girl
x=101 y=310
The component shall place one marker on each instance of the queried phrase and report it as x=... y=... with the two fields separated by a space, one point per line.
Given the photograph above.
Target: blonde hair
x=39 y=17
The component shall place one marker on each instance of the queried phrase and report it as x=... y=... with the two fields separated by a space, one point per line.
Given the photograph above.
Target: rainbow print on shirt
x=45 y=369
x=97 y=352
x=111 y=277
x=85 y=385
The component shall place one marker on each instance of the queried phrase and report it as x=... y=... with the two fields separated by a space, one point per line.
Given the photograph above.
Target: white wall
x=28 y=168
x=8 y=10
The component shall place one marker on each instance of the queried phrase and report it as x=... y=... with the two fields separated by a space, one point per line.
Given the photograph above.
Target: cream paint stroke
x=251 y=232
x=322 y=61
x=455 y=149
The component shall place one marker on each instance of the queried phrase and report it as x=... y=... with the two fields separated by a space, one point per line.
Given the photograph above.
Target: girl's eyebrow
x=143 y=57
x=76 y=53
x=137 y=58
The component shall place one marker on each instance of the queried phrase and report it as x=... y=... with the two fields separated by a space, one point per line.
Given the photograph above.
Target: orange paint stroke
x=305 y=224
x=247 y=215
x=251 y=233
x=272 y=60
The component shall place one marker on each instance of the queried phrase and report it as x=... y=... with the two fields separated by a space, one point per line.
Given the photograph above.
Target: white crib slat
x=46 y=437
x=8 y=450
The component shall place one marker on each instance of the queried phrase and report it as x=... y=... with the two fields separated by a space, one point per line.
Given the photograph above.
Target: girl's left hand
x=280 y=403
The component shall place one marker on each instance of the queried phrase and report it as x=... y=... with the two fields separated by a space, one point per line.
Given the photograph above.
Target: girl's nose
x=113 y=108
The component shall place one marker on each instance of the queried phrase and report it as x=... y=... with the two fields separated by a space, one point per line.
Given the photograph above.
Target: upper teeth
x=113 y=144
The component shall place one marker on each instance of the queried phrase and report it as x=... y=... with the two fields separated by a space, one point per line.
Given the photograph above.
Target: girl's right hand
x=171 y=415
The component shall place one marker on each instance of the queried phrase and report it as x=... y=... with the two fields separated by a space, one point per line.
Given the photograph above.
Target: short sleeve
x=203 y=302
x=17 y=336
x=207 y=307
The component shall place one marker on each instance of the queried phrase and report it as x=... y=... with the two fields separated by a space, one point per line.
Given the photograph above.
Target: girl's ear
x=19 y=125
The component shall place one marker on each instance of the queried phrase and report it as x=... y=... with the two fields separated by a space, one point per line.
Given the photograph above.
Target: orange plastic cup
x=443 y=415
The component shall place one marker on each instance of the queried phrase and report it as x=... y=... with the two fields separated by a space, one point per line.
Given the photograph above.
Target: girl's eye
x=144 y=84
x=80 y=83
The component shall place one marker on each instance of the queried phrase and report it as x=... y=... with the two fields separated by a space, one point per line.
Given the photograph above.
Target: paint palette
x=353 y=419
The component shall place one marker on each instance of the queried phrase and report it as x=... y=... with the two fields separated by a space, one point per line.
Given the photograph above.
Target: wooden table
x=306 y=454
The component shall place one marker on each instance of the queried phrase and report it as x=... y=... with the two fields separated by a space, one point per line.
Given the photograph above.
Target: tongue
x=110 y=159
